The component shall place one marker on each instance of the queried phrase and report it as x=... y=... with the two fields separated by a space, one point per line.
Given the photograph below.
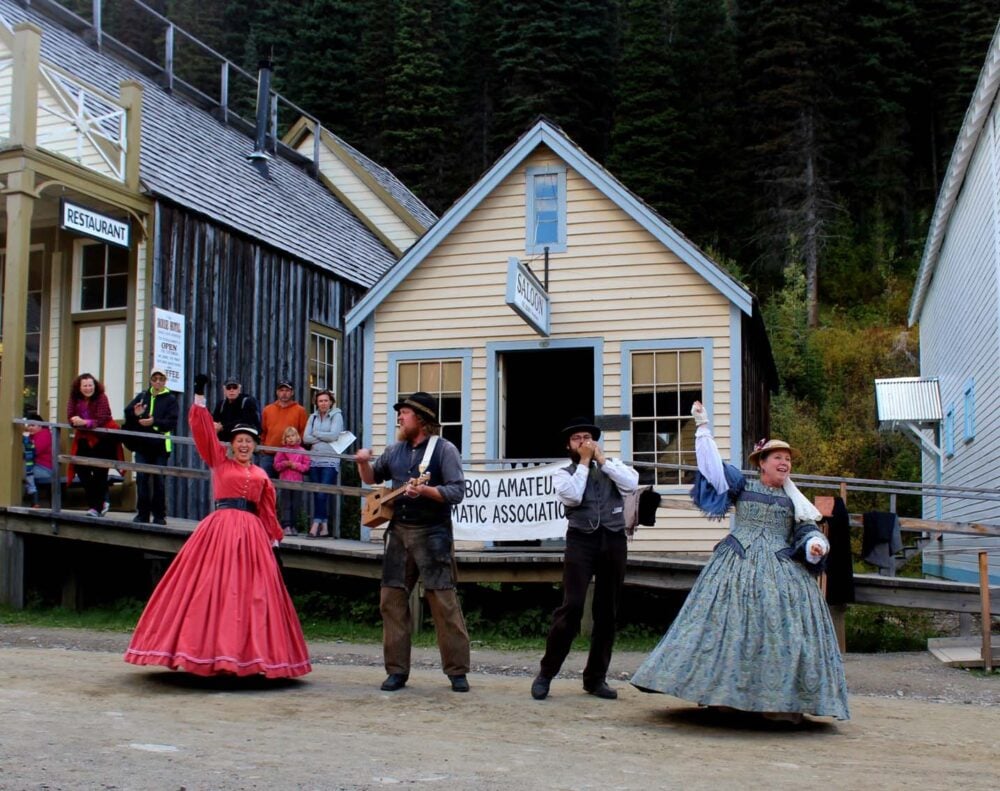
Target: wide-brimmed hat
x=582 y=423
x=765 y=446
x=244 y=428
x=423 y=404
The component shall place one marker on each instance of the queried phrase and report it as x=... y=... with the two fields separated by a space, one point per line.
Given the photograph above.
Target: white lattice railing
x=6 y=80
x=77 y=122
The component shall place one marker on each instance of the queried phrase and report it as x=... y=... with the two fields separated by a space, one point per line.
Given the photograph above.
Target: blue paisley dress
x=755 y=633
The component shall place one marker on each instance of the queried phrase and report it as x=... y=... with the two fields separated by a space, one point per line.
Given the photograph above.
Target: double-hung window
x=324 y=358
x=441 y=378
x=546 y=210
x=664 y=385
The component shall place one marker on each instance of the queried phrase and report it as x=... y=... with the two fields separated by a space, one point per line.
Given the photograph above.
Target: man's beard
x=404 y=434
x=574 y=456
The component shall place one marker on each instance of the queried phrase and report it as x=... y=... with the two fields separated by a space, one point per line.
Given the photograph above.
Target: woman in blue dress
x=754 y=633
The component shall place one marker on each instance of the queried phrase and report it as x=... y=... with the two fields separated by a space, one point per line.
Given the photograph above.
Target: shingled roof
x=191 y=159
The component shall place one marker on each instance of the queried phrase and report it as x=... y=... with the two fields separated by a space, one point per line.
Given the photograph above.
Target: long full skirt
x=222 y=607
x=755 y=635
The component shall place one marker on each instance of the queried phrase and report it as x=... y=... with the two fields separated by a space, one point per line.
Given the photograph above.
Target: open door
x=540 y=391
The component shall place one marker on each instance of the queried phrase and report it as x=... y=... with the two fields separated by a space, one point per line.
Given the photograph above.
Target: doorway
x=540 y=392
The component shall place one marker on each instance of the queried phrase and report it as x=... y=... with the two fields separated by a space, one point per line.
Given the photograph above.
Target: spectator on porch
x=235 y=407
x=283 y=412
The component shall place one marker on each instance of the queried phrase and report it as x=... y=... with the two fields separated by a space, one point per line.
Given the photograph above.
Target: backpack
x=640 y=509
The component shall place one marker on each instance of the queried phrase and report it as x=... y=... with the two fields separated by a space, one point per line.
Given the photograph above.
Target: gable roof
x=968 y=139
x=545 y=133
x=191 y=159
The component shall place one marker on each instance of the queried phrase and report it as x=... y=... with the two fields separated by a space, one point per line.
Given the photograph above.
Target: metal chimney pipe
x=263 y=109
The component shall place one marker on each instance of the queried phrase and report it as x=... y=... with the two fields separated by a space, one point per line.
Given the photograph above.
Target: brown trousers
x=452 y=637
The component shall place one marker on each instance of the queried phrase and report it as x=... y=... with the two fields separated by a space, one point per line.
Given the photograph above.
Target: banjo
x=378 y=505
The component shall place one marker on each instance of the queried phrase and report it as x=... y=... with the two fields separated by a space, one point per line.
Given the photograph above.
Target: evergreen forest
x=800 y=143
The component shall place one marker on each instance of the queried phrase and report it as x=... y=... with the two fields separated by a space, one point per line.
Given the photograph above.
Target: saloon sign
x=510 y=505
x=527 y=297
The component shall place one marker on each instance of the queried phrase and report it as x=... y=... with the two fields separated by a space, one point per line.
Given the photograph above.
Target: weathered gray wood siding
x=247 y=309
x=959 y=338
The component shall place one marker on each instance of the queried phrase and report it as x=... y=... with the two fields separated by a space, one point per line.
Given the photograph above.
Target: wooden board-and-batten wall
x=248 y=310
x=615 y=281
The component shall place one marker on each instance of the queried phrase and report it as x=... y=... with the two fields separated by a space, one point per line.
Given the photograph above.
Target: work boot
x=394 y=681
x=141 y=519
x=459 y=683
x=540 y=687
x=602 y=690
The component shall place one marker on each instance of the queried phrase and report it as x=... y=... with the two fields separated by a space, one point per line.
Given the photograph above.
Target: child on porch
x=291 y=465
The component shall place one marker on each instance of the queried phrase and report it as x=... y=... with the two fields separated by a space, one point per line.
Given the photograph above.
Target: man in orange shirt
x=285 y=411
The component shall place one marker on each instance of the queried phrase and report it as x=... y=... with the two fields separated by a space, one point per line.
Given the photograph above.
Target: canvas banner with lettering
x=510 y=505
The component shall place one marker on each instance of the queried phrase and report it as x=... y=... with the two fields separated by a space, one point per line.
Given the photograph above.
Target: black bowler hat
x=581 y=423
x=424 y=404
x=244 y=428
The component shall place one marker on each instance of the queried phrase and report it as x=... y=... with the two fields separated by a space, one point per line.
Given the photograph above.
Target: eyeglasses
x=580 y=437
x=232 y=387
x=157 y=378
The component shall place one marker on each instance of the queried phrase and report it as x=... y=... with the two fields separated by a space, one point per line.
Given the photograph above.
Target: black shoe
x=602 y=690
x=540 y=687
x=159 y=520
x=394 y=681
x=140 y=519
x=459 y=683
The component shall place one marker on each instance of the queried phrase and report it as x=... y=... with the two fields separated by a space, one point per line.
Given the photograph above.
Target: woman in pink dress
x=222 y=607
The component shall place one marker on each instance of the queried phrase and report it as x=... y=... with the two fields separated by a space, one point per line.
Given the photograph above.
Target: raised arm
x=211 y=450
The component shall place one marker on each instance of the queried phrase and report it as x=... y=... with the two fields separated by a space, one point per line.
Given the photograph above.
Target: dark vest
x=404 y=464
x=602 y=504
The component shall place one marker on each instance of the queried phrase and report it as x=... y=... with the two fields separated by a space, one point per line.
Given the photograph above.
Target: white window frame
x=462 y=356
x=702 y=345
x=77 y=287
x=335 y=338
x=559 y=245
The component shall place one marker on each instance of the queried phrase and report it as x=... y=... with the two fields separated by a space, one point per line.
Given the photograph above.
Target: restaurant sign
x=81 y=220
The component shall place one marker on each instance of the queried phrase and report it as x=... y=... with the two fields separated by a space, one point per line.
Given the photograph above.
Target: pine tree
x=420 y=106
x=789 y=52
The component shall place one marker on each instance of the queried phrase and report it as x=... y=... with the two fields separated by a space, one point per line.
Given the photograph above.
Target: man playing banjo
x=418 y=541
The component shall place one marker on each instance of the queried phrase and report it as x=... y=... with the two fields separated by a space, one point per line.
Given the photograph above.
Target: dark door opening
x=542 y=391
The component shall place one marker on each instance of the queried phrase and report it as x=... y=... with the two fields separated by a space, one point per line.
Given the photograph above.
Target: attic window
x=545 y=212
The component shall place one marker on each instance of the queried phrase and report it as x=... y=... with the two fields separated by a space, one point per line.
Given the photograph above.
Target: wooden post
x=20 y=198
x=11 y=569
x=130 y=92
x=24 y=89
x=838 y=614
x=984 y=599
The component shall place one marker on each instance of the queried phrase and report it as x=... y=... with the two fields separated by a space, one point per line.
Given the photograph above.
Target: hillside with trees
x=800 y=142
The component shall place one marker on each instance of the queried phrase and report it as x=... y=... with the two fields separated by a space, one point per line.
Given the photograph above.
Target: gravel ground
x=73 y=715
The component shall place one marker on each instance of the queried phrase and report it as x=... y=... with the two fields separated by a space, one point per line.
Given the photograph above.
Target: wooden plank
x=984 y=595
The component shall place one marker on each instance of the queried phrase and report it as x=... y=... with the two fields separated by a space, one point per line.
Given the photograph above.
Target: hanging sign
x=510 y=505
x=527 y=296
x=81 y=220
x=168 y=346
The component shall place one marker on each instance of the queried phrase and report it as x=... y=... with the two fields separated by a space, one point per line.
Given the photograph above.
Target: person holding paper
x=323 y=428
x=419 y=543
x=592 y=489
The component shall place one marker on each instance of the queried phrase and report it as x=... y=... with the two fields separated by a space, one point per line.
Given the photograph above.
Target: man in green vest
x=154 y=411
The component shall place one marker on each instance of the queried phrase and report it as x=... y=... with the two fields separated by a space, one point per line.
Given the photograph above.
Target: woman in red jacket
x=88 y=408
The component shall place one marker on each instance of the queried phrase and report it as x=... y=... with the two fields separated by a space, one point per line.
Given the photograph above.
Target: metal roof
x=191 y=159
x=908 y=399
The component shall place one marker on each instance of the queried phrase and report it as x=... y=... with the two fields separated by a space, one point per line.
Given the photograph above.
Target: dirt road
x=74 y=716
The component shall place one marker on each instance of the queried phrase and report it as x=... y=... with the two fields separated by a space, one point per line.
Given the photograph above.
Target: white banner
x=510 y=505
